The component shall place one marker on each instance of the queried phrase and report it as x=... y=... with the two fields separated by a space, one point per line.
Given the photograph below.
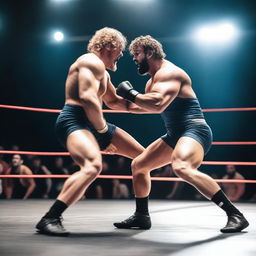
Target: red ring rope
x=67 y=154
x=121 y=111
x=234 y=143
x=119 y=177
x=130 y=177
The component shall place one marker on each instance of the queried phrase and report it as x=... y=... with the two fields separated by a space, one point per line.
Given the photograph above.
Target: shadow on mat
x=104 y=234
x=184 y=246
x=181 y=208
x=130 y=232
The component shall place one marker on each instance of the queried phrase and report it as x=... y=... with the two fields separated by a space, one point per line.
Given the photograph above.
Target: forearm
x=29 y=191
x=134 y=108
x=122 y=104
x=48 y=186
x=151 y=102
x=239 y=192
x=8 y=192
x=173 y=192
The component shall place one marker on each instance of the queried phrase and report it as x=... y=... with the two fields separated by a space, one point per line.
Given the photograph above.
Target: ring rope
x=120 y=111
x=67 y=154
x=125 y=176
x=118 y=177
x=234 y=143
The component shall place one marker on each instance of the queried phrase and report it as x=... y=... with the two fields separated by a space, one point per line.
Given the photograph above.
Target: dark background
x=33 y=68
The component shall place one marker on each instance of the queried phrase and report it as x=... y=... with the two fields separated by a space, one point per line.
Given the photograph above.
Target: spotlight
x=58 y=36
x=219 y=33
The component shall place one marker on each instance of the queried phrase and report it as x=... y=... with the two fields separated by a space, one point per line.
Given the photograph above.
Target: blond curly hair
x=106 y=36
x=147 y=43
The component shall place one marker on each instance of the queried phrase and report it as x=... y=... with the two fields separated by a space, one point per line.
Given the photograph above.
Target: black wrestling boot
x=137 y=220
x=51 y=226
x=236 y=223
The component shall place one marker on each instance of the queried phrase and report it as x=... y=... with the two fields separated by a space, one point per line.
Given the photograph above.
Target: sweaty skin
x=28 y=183
x=88 y=85
x=166 y=83
x=188 y=136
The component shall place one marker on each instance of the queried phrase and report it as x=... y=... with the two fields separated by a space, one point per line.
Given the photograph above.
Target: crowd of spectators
x=101 y=188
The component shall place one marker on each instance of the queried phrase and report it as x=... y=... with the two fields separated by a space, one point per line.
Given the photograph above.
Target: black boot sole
x=245 y=225
x=52 y=234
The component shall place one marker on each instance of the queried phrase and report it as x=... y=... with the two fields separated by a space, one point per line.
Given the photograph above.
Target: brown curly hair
x=147 y=43
x=106 y=36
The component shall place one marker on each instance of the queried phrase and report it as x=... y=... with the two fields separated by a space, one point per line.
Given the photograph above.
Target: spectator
x=199 y=196
x=176 y=186
x=23 y=187
x=163 y=189
x=73 y=167
x=43 y=185
x=15 y=148
x=234 y=191
x=101 y=188
x=58 y=168
x=120 y=190
x=253 y=198
x=4 y=168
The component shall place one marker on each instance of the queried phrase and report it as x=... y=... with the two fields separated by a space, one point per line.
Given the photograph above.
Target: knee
x=138 y=168
x=93 y=168
x=183 y=170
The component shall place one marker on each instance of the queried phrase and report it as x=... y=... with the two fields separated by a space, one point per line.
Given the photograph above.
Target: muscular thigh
x=125 y=144
x=83 y=147
x=189 y=151
x=155 y=155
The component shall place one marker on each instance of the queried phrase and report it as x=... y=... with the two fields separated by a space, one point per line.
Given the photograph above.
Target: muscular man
x=188 y=138
x=43 y=186
x=23 y=187
x=81 y=127
x=233 y=190
x=4 y=169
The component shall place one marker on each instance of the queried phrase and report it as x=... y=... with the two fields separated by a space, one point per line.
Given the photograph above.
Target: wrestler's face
x=231 y=169
x=16 y=160
x=37 y=163
x=115 y=54
x=141 y=61
x=59 y=162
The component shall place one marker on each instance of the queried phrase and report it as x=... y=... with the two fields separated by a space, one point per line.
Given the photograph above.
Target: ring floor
x=179 y=228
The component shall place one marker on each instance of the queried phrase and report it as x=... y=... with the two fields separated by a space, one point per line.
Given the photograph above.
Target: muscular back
x=96 y=73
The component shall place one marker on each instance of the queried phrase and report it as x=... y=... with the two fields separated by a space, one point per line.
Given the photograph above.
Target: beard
x=231 y=175
x=143 y=67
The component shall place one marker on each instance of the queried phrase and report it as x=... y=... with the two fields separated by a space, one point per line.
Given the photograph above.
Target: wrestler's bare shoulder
x=170 y=71
x=91 y=62
x=25 y=170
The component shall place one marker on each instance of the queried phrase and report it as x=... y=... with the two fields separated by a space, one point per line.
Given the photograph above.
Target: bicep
x=166 y=91
x=45 y=170
x=29 y=181
x=88 y=84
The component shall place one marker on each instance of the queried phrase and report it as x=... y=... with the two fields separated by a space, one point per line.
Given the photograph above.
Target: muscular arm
x=8 y=186
x=240 y=188
x=113 y=101
x=48 y=181
x=162 y=93
x=31 y=183
x=88 y=93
